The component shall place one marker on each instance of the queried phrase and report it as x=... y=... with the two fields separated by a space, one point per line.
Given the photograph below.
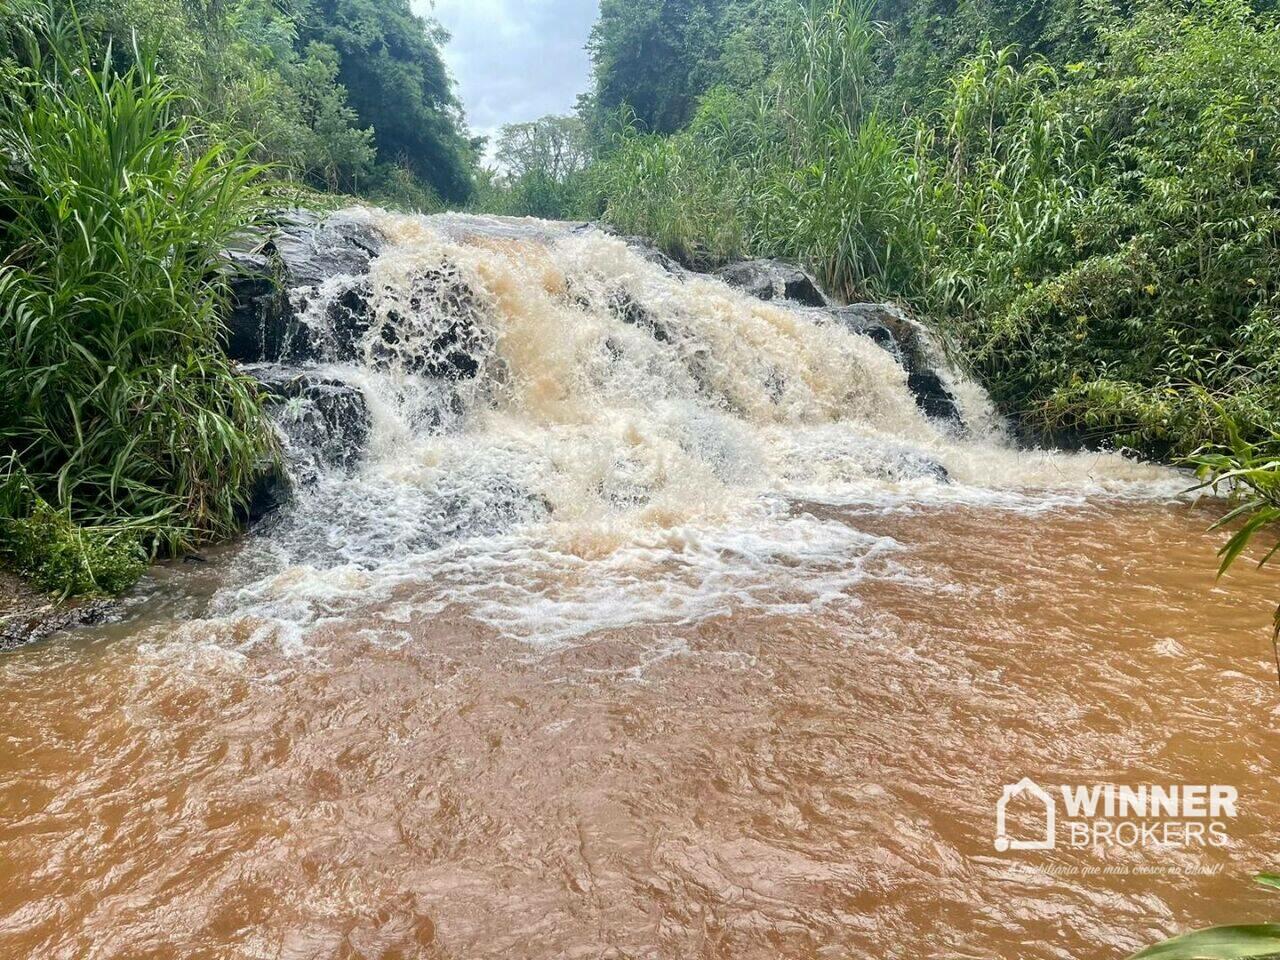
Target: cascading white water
x=624 y=445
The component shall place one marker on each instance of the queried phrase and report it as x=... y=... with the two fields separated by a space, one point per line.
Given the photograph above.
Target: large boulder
x=258 y=317
x=311 y=249
x=273 y=288
x=273 y=282
x=774 y=280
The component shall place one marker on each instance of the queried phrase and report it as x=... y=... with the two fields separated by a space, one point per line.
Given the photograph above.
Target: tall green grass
x=117 y=403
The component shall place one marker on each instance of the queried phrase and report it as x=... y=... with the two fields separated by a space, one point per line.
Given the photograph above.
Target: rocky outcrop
x=257 y=320
x=312 y=249
x=273 y=287
x=909 y=342
x=28 y=616
x=774 y=280
x=323 y=422
x=272 y=282
x=884 y=323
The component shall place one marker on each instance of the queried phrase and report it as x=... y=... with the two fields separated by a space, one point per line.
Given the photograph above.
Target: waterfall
x=567 y=432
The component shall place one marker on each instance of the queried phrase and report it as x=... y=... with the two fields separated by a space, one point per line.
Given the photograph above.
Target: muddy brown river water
x=676 y=631
x=751 y=786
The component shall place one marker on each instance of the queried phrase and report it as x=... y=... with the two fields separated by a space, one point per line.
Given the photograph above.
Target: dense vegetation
x=541 y=171
x=119 y=412
x=341 y=95
x=1097 y=237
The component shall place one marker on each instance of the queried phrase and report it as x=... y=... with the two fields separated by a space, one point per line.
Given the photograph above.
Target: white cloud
x=515 y=60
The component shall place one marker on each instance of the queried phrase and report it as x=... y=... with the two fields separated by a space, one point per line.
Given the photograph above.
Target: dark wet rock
x=271 y=491
x=272 y=283
x=908 y=341
x=443 y=337
x=630 y=311
x=932 y=395
x=887 y=322
x=335 y=339
x=258 y=310
x=775 y=386
x=28 y=616
x=876 y=321
x=773 y=280
x=311 y=250
x=325 y=424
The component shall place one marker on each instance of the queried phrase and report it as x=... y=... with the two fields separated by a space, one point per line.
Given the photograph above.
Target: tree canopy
x=390 y=64
x=348 y=95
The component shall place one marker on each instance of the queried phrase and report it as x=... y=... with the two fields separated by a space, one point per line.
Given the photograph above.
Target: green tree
x=551 y=146
x=541 y=173
x=654 y=56
x=397 y=82
x=244 y=64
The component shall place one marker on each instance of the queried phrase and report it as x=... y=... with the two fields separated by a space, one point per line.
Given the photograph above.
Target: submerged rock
x=631 y=312
x=439 y=334
x=645 y=247
x=774 y=280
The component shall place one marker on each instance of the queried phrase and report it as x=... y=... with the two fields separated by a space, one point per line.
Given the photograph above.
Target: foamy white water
x=634 y=446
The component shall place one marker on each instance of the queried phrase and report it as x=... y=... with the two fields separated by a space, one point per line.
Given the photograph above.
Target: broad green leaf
x=1218 y=943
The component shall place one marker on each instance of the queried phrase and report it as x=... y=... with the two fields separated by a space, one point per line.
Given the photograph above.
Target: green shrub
x=64 y=559
x=44 y=545
x=115 y=397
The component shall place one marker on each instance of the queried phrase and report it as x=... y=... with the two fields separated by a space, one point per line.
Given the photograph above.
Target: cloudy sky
x=515 y=60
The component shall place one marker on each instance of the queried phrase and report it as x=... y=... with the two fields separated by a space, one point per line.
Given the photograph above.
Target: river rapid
x=673 y=629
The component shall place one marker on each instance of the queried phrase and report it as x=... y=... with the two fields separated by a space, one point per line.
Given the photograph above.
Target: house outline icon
x=1026 y=785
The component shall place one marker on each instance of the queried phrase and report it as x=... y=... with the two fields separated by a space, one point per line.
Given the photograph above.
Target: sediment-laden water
x=656 y=621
